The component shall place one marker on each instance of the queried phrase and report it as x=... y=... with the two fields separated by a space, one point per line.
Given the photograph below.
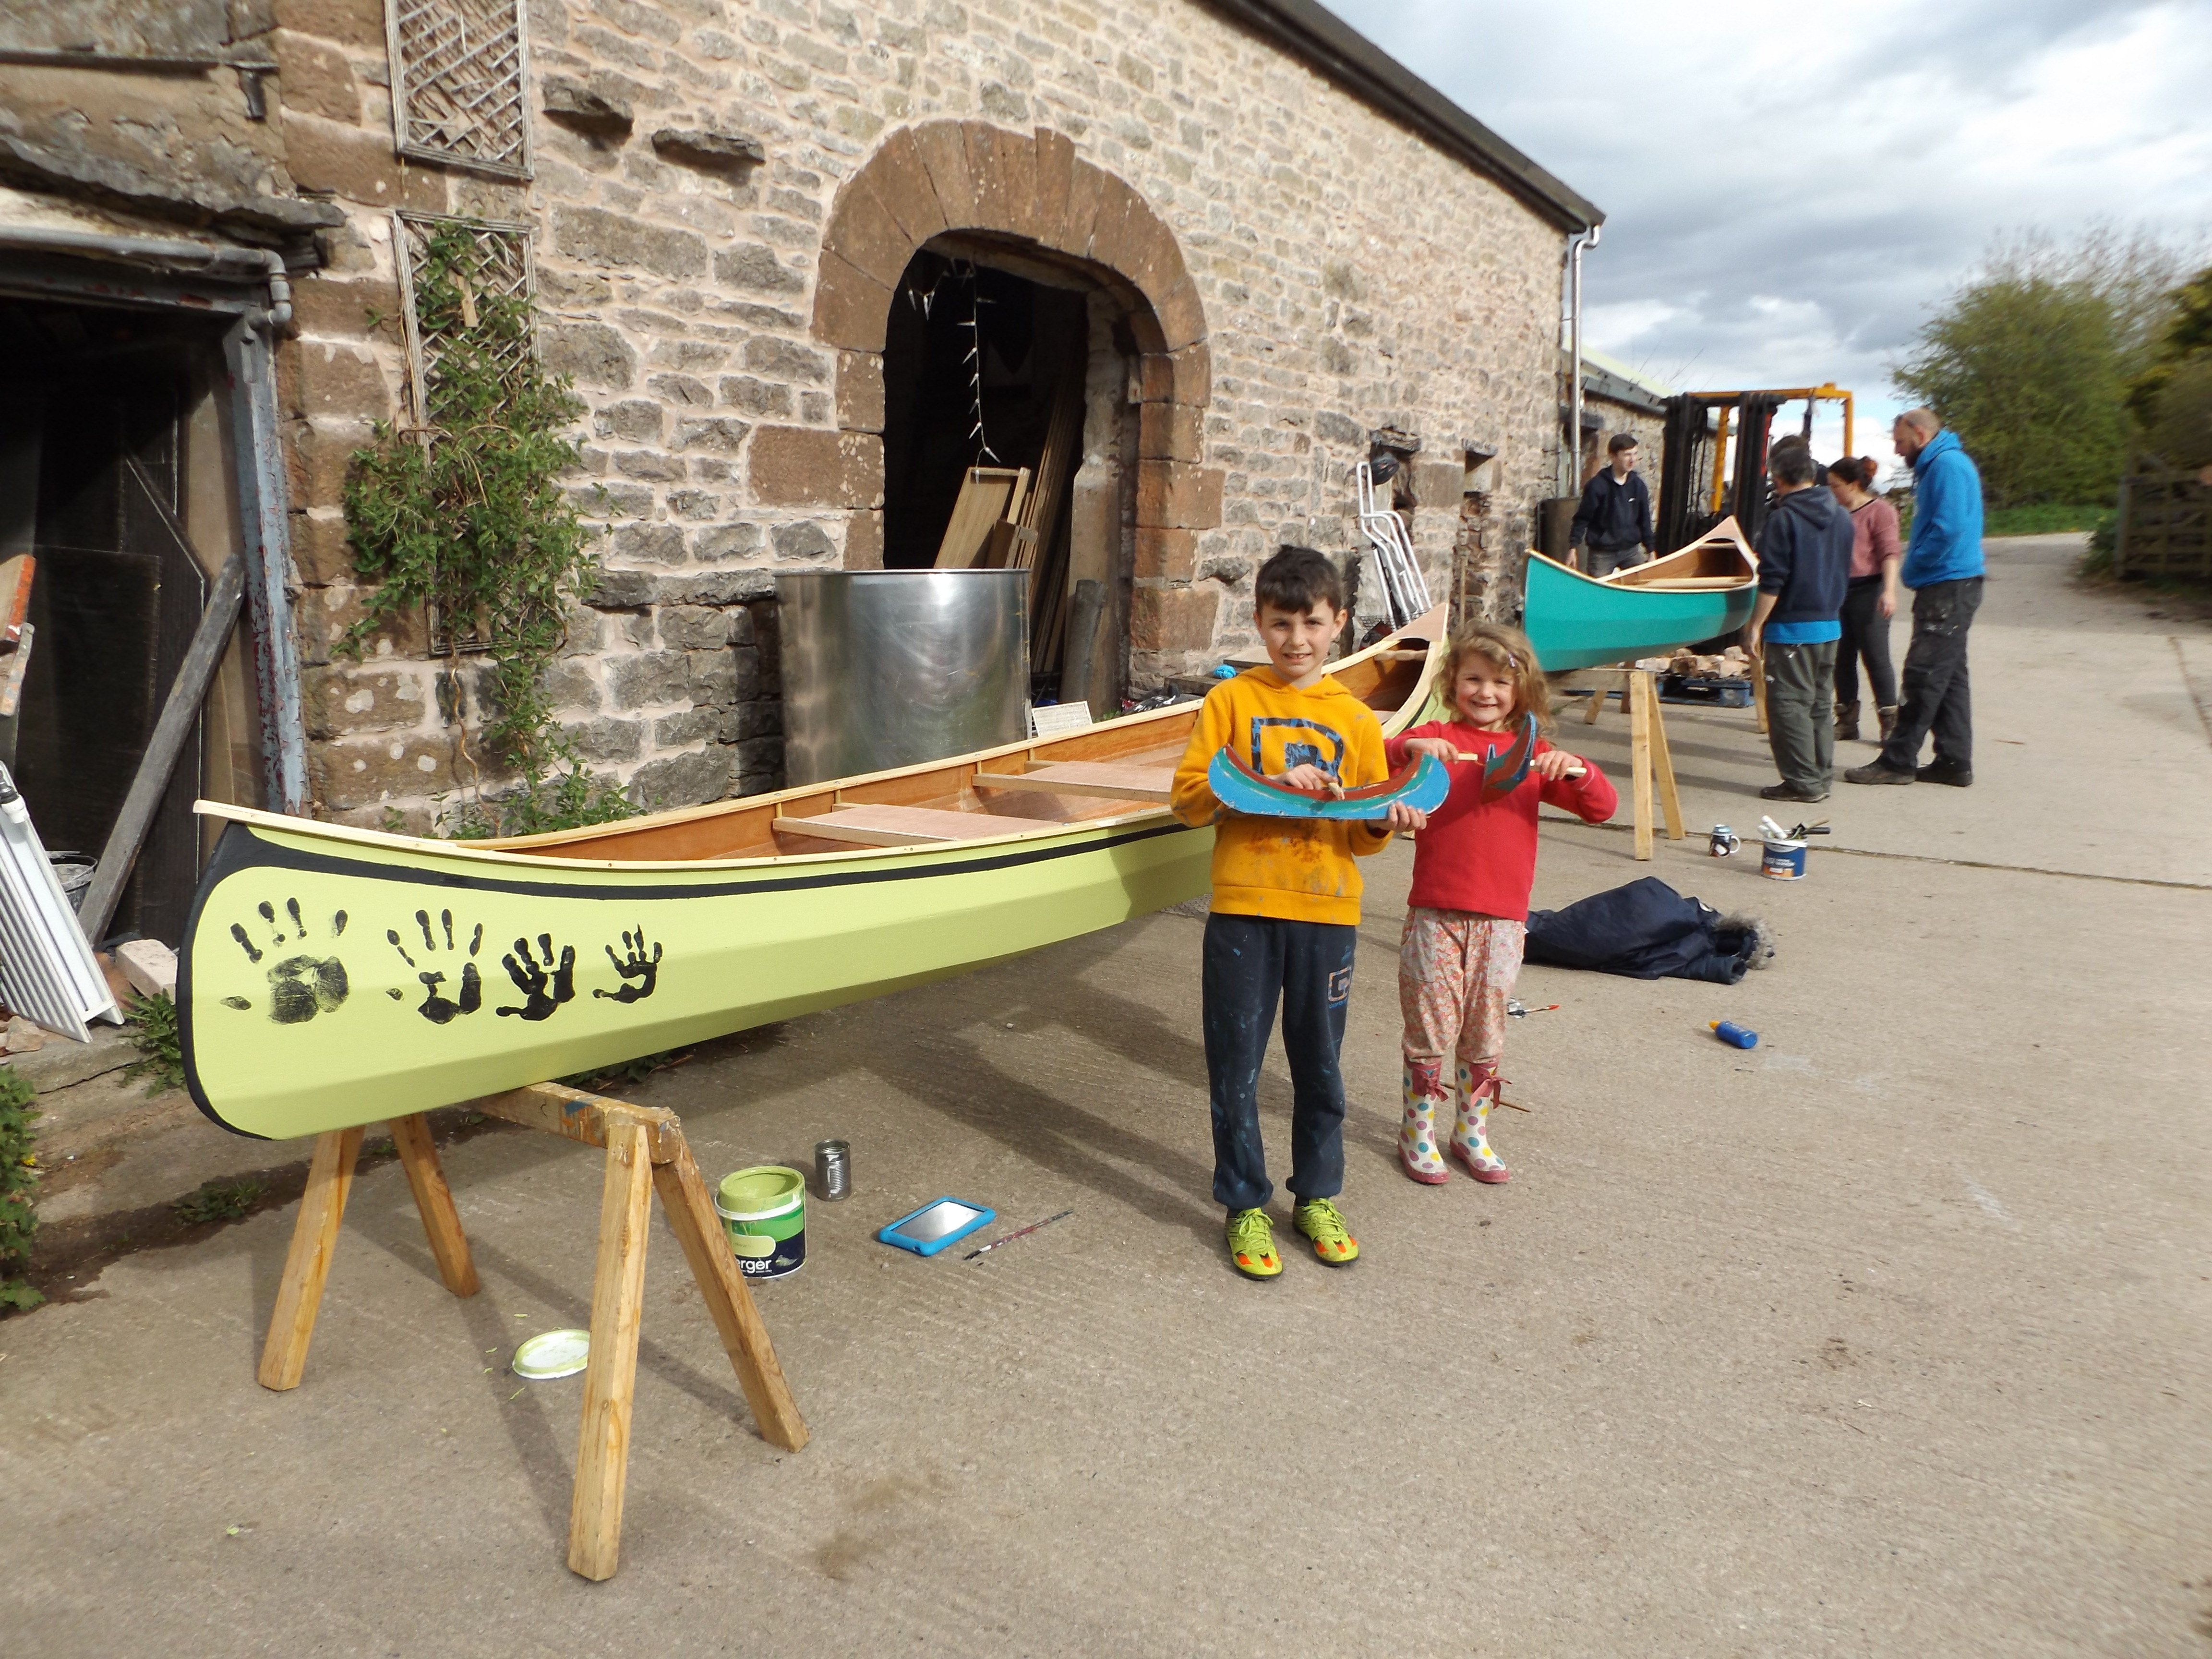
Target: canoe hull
x=324 y=985
x=1575 y=622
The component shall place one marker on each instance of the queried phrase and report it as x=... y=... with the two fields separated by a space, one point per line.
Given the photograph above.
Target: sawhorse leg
x=1648 y=754
x=610 y=1375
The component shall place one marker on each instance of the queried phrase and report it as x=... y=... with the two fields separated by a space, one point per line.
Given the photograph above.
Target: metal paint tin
x=833 y=1169
x=1784 y=861
x=763 y=1211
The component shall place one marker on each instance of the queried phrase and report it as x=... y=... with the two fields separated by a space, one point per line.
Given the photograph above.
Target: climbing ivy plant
x=464 y=517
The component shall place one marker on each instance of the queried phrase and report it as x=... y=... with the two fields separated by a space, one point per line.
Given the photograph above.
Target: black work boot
x=1877 y=771
x=1847 y=722
x=1943 y=771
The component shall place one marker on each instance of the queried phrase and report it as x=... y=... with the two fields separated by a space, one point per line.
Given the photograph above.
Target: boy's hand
x=1556 y=763
x=1402 y=817
x=1442 y=750
x=1307 y=777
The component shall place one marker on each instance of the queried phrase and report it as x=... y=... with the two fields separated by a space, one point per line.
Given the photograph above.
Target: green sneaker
x=1317 y=1219
x=1252 y=1245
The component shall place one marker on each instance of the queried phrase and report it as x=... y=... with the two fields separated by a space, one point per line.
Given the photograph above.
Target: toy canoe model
x=1421 y=786
x=1699 y=592
x=333 y=977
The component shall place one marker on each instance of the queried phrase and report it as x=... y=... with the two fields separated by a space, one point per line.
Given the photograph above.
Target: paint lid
x=760 y=1193
x=553 y=1353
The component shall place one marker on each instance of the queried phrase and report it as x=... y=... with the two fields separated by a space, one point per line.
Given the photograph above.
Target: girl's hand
x=1307 y=777
x=1402 y=817
x=1443 y=749
x=1556 y=763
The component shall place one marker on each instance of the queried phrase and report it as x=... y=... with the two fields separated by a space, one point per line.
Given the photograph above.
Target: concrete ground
x=1888 y=1337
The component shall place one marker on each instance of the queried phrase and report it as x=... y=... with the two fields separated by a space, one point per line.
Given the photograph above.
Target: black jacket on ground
x=1805 y=557
x=1614 y=512
x=1643 y=931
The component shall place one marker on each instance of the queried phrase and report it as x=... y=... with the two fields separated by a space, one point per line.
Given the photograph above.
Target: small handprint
x=437 y=1007
x=646 y=970
x=300 y=986
x=543 y=988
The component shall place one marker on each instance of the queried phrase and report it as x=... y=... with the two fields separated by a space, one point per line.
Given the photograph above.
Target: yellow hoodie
x=1297 y=869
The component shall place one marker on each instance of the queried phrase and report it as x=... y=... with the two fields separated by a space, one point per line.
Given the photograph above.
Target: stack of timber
x=401 y=975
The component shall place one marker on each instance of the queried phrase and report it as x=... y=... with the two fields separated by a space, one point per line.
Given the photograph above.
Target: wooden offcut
x=987 y=495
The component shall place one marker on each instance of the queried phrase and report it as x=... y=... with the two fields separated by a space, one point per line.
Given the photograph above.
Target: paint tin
x=1724 y=841
x=763 y=1211
x=1784 y=861
x=833 y=1169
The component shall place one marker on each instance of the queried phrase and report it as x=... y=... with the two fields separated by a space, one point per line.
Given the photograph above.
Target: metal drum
x=886 y=668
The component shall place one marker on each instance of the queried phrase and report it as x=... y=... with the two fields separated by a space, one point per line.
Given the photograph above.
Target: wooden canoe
x=333 y=977
x=1699 y=592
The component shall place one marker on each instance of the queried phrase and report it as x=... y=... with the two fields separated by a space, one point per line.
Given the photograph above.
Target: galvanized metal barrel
x=887 y=668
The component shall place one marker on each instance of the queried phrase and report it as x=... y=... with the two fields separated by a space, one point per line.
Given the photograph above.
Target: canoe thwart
x=904 y=826
x=1108 y=780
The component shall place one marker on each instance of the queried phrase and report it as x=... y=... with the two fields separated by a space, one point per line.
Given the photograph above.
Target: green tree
x=2172 y=397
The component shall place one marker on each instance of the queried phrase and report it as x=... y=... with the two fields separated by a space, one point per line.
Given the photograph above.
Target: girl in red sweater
x=1473 y=868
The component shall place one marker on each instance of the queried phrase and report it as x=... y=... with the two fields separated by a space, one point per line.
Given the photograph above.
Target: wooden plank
x=307 y=1262
x=15 y=577
x=1662 y=762
x=579 y=1115
x=595 y=1508
x=434 y=1202
x=1104 y=779
x=987 y=493
x=691 y=1217
x=18 y=670
x=1640 y=758
x=179 y=714
x=900 y=826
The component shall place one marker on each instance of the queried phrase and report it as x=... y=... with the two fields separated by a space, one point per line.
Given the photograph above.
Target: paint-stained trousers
x=1251 y=963
x=1801 y=713
x=1936 y=699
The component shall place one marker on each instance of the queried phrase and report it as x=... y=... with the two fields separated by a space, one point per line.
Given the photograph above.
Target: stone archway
x=1031 y=188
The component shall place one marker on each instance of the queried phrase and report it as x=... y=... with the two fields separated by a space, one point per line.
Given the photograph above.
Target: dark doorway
x=85 y=393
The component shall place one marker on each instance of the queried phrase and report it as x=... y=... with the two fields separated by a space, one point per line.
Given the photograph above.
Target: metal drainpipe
x=169 y=253
x=1582 y=240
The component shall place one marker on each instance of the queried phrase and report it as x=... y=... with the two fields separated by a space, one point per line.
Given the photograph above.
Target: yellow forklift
x=1703 y=482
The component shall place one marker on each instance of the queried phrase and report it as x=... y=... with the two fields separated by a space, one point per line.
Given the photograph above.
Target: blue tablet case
x=891 y=1236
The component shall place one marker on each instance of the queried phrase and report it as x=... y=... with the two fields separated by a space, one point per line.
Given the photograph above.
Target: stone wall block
x=1172 y=555
x=809 y=466
x=332 y=380
x=318 y=455
x=863 y=233
x=341 y=700
x=321 y=551
x=863 y=540
x=649 y=678
x=1085 y=192
x=1170 y=432
x=850 y=307
x=754 y=267
x=692 y=725
x=313 y=75
x=860 y=392
x=1055 y=169
x=1175 y=496
x=695 y=627
x=569 y=685
x=363 y=771
x=712 y=677
x=334 y=306
x=351 y=22
x=598 y=356
x=1002 y=171
x=1178 y=377
x=683 y=780
x=324 y=616
x=1172 y=618
x=900 y=180
x=760 y=765
x=943 y=151
x=646 y=544
x=607 y=739
x=623 y=241
x=1181 y=315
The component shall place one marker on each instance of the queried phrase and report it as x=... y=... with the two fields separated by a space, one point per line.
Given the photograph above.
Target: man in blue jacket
x=1943 y=568
x=1804 y=566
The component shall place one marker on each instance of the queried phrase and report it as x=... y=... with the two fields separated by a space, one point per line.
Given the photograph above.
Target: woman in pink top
x=1869 y=601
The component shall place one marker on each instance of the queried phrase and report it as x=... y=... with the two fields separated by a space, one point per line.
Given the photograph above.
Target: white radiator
x=47 y=972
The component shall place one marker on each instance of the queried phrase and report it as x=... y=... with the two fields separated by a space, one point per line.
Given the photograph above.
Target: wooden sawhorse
x=1648 y=754
x=645 y=1150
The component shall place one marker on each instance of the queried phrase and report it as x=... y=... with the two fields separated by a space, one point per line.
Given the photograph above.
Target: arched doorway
x=1092 y=282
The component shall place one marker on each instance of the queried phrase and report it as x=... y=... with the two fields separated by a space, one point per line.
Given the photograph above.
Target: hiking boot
x=1876 y=771
x=1252 y=1245
x=1888 y=717
x=1791 y=791
x=1317 y=1219
x=1847 y=722
x=1958 y=777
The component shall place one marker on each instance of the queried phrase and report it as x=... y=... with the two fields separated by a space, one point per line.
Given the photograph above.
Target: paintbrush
x=1575 y=771
x=1023 y=1232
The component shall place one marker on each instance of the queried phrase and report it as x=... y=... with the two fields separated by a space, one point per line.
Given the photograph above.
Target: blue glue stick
x=1728 y=1031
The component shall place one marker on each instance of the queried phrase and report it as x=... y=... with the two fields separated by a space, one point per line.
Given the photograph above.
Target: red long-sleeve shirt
x=1482 y=857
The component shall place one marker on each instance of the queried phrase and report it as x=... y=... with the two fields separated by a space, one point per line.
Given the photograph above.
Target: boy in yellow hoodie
x=1285 y=909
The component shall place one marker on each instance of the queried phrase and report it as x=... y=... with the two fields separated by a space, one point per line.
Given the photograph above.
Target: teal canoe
x=1702 y=591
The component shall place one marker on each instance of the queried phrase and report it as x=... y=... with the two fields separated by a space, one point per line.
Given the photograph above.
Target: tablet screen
x=936 y=1221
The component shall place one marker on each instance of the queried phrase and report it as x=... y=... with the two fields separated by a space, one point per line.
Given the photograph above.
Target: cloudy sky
x=1788 y=191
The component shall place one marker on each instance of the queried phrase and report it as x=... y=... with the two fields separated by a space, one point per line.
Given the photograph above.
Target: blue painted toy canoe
x=1702 y=591
x=1422 y=786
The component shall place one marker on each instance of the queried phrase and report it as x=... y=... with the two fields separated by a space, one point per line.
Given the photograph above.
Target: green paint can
x=763 y=1211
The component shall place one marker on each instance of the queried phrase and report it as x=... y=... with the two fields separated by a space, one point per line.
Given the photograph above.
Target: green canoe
x=333 y=977
x=1702 y=591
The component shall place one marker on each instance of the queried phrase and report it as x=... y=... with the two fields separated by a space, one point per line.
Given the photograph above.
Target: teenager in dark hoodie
x=1804 y=567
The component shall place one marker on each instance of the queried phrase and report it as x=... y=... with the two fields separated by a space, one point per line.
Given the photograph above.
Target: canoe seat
x=1110 y=780
x=903 y=826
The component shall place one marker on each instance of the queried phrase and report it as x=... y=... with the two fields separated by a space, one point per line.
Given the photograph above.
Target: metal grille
x=457 y=93
x=503 y=266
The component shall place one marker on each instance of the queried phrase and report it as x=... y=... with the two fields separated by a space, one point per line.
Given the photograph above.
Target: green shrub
x=217 y=1200
x=19 y=1176
x=152 y=1023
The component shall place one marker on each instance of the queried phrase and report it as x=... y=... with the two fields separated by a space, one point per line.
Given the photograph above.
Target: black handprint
x=300 y=986
x=437 y=1007
x=646 y=970
x=544 y=989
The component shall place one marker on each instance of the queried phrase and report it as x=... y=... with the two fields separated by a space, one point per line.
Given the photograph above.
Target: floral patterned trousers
x=1456 y=970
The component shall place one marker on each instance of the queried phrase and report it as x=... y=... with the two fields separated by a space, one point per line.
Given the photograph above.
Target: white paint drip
x=1987 y=1200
